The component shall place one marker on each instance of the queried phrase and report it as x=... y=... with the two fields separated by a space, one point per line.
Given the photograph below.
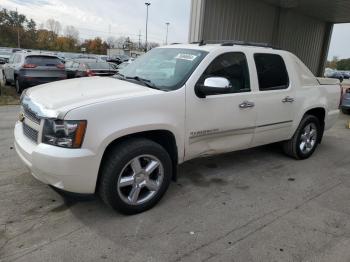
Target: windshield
x=166 y=68
x=4 y=53
x=43 y=60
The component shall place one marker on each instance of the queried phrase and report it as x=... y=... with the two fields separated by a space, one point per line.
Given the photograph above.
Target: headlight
x=64 y=133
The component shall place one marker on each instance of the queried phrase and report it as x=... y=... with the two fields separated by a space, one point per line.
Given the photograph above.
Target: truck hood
x=65 y=95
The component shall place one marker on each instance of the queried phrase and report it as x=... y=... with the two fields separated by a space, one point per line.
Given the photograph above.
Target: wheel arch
x=163 y=137
x=320 y=113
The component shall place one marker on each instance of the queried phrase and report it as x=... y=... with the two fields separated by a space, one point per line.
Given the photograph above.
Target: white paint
x=115 y=108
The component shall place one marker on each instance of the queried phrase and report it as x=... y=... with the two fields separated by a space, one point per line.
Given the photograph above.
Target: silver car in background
x=26 y=69
x=345 y=104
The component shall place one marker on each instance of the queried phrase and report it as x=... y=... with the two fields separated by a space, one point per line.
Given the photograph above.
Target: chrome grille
x=31 y=133
x=31 y=115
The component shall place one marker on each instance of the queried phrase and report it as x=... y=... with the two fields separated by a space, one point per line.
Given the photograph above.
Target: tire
x=18 y=86
x=293 y=147
x=345 y=111
x=5 y=80
x=121 y=177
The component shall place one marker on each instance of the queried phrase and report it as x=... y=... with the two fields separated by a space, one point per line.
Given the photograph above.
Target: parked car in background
x=3 y=60
x=103 y=58
x=346 y=75
x=26 y=69
x=123 y=137
x=118 y=59
x=345 y=103
x=337 y=75
x=123 y=65
x=5 y=55
x=88 y=67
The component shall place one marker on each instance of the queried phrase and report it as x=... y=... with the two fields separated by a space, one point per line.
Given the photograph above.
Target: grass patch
x=8 y=96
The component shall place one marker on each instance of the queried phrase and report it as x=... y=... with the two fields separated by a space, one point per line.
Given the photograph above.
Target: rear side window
x=272 y=72
x=43 y=60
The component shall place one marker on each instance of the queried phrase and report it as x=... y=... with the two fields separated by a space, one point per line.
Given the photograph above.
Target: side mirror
x=213 y=86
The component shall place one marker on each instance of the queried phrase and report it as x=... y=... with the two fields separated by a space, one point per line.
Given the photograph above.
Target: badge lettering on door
x=203 y=132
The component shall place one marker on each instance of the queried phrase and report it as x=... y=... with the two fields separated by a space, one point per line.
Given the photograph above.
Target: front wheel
x=135 y=174
x=305 y=139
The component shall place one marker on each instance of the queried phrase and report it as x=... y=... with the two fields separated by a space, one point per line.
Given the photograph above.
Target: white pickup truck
x=123 y=137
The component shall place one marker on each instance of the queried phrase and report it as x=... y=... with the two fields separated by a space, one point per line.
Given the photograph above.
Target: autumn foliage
x=16 y=30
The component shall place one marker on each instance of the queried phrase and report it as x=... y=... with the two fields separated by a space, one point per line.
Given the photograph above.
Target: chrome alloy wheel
x=140 y=179
x=308 y=138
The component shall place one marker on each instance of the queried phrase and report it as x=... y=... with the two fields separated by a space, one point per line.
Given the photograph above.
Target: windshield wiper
x=145 y=82
x=119 y=75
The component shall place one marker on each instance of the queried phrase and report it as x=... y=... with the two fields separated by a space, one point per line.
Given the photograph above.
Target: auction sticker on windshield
x=188 y=57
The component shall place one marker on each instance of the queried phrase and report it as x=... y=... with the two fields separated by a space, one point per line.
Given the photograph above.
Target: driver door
x=223 y=122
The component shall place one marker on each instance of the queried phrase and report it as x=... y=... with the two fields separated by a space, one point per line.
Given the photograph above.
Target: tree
x=71 y=32
x=32 y=36
x=53 y=26
x=333 y=63
x=111 y=41
x=96 y=46
x=343 y=64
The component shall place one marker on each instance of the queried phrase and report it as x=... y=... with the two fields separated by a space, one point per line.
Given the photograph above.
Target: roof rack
x=232 y=43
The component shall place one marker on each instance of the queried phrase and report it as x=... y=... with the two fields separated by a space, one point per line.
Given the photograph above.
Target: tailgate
x=44 y=71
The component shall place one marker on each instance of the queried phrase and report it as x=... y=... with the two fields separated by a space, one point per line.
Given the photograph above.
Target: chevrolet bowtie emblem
x=21 y=117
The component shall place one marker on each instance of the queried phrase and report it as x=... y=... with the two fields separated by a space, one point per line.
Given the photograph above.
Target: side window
x=272 y=72
x=82 y=67
x=11 y=59
x=17 y=59
x=69 y=64
x=232 y=66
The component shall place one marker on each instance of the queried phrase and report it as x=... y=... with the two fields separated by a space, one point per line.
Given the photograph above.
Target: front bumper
x=72 y=170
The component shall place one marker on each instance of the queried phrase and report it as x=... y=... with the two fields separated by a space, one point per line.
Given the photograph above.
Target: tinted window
x=43 y=60
x=272 y=72
x=69 y=64
x=232 y=66
x=98 y=65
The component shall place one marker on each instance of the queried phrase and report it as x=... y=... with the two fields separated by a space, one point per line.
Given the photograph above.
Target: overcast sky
x=127 y=18
x=120 y=17
x=340 y=44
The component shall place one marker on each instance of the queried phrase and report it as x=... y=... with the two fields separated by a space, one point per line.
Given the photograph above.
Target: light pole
x=146 y=44
x=167 y=31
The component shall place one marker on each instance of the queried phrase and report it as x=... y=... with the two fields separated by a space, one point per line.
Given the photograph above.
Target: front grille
x=31 y=115
x=31 y=133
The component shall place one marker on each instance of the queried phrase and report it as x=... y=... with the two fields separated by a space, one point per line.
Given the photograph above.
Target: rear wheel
x=18 y=86
x=5 y=79
x=346 y=111
x=305 y=140
x=135 y=175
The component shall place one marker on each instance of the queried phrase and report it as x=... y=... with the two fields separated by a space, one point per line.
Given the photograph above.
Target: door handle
x=246 y=104
x=288 y=100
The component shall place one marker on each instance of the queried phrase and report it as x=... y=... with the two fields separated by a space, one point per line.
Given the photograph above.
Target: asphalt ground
x=252 y=205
